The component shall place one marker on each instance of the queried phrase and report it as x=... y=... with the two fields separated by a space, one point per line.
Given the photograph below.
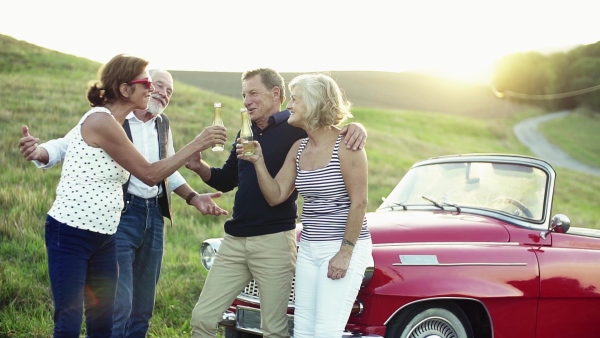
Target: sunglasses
x=145 y=81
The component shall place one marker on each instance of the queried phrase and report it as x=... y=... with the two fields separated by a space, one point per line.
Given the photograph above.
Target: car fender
x=406 y=273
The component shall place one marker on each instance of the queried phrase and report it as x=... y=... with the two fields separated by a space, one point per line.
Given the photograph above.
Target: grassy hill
x=385 y=90
x=46 y=90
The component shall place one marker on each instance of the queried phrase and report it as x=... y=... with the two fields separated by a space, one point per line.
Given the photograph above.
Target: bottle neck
x=246 y=124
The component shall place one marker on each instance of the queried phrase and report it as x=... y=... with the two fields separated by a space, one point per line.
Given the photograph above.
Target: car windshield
x=514 y=189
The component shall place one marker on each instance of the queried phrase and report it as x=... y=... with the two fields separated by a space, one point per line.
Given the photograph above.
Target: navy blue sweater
x=252 y=215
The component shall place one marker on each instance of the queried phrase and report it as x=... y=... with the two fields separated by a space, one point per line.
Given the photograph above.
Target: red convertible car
x=466 y=246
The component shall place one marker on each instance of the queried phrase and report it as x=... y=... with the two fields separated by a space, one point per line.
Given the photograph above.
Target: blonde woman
x=335 y=244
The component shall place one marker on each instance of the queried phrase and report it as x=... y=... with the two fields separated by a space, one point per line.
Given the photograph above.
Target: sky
x=458 y=38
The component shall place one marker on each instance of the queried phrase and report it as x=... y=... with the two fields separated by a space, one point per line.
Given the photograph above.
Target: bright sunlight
x=461 y=38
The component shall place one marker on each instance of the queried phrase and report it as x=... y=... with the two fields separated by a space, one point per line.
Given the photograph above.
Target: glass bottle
x=246 y=133
x=218 y=121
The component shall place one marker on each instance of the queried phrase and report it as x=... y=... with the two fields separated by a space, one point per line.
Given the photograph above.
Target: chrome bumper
x=247 y=319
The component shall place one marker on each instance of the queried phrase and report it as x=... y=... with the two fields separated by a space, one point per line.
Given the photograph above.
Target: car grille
x=251 y=293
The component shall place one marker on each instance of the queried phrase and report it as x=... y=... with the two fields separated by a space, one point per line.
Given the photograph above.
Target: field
x=406 y=91
x=45 y=90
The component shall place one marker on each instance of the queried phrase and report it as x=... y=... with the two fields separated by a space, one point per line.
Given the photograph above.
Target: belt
x=148 y=201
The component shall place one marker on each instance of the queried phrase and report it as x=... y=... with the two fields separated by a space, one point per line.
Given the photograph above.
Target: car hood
x=427 y=226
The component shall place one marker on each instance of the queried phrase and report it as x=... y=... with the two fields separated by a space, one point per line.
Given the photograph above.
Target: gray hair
x=325 y=102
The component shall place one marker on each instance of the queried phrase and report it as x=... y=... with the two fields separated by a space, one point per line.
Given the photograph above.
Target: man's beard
x=155 y=107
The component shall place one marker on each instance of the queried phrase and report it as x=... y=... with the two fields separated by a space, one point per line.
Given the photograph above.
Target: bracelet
x=191 y=196
x=347 y=242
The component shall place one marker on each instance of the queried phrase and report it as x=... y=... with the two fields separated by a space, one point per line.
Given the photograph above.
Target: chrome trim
x=536 y=162
x=497 y=215
x=251 y=294
x=369 y=271
x=213 y=244
x=256 y=301
x=246 y=329
x=228 y=319
x=448 y=243
x=257 y=312
x=290 y=321
x=361 y=307
x=464 y=264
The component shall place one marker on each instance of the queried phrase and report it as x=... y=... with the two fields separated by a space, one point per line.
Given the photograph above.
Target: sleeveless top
x=326 y=200
x=89 y=194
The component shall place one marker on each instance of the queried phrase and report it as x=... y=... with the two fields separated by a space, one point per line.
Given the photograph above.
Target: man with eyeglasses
x=140 y=232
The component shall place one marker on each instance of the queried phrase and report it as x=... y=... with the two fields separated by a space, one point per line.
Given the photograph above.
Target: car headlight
x=208 y=251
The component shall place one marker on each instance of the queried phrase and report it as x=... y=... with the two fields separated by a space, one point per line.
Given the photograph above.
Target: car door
x=569 y=304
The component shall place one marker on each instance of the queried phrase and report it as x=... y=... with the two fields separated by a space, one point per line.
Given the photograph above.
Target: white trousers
x=323 y=305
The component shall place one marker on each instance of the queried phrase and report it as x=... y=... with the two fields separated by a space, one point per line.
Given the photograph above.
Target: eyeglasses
x=145 y=81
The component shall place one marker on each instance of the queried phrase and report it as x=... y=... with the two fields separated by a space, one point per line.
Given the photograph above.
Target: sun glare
x=460 y=38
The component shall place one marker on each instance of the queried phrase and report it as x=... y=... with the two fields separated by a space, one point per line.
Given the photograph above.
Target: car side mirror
x=560 y=223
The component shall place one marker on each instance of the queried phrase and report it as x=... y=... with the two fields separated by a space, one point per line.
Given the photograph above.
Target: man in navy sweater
x=260 y=240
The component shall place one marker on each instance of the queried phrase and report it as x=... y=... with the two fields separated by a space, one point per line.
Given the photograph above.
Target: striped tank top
x=326 y=200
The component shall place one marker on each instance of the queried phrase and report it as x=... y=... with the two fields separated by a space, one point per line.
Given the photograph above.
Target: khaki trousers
x=270 y=260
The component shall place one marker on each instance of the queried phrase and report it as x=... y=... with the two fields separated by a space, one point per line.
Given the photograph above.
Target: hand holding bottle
x=218 y=121
x=210 y=136
x=246 y=133
x=254 y=157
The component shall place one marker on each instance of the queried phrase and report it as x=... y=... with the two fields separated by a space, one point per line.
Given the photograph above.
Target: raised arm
x=196 y=164
x=275 y=190
x=101 y=130
x=45 y=155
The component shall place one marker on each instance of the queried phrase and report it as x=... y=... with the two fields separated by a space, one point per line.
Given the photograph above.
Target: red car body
x=479 y=256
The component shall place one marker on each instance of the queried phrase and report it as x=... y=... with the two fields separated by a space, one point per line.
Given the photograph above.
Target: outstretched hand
x=205 y=204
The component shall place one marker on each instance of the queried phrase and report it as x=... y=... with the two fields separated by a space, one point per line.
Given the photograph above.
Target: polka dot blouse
x=90 y=194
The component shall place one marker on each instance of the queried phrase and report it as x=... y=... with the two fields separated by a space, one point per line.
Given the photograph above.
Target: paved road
x=527 y=132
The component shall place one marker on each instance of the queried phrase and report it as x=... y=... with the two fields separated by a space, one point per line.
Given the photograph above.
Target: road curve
x=527 y=133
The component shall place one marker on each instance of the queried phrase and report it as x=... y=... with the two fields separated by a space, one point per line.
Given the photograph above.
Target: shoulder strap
x=128 y=132
x=162 y=126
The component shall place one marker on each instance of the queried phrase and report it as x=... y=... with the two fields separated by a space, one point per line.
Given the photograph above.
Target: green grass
x=578 y=134
x=45 y=90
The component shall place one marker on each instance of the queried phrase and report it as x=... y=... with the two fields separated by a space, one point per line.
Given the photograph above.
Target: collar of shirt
x=275 y=119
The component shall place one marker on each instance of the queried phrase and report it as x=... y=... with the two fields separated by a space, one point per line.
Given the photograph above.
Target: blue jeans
x=139 y=252
x=83 y=271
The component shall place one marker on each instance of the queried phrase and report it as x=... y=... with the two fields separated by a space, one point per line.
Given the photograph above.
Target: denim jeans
x=140 y=238
x=82 y=265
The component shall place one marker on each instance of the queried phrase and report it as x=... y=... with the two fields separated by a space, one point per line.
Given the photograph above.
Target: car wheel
x=233 y=333
x=447 y=321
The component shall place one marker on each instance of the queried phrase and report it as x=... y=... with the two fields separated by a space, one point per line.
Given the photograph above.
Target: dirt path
x=527 y=132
